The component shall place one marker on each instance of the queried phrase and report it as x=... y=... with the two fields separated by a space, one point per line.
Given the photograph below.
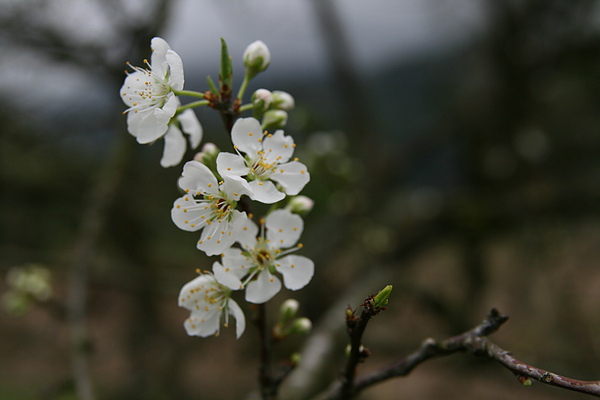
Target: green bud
x=295 y=358
x=282 y=100
x=32 y=280
x=288 y=310
x=274 y=119
x=301 y=325
x=381 y=299
x=300 y=205
x=257 y=58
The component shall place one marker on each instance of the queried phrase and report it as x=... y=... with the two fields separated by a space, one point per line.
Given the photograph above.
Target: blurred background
x=454 y=153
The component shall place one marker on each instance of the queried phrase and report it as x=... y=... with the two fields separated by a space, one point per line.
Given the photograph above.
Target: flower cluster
x=218 y=187
x=253 y=257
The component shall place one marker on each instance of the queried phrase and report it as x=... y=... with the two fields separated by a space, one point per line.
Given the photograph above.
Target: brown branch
x=474 y=341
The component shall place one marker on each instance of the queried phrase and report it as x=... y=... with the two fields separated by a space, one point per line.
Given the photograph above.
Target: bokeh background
x=454 y=153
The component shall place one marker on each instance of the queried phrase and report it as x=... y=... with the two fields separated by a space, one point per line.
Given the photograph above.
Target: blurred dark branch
x=106 y=56
x=53 y=41
x=474 y=341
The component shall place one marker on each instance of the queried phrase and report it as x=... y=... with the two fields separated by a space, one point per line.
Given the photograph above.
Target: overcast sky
x=379 y=31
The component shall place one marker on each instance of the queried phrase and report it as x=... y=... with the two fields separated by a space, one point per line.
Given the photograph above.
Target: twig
x=474 y=341
x=267 y=388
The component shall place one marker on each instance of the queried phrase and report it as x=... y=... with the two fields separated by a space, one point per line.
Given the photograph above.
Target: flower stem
x=268 y=389
x=198 y=103
x=245 y=107
x=190 y=93
x=243 y=87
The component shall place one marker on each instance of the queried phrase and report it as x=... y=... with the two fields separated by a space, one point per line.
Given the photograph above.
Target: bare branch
x=474 y=341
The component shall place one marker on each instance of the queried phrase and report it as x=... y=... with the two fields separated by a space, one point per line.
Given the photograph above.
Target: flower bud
x=209 y=152
x=274 y=119
x=261 y=100
x=295 y=358
x=282 y=100
x=288 y=310
x=256 y=58
x=301 y=325
x=300 y=205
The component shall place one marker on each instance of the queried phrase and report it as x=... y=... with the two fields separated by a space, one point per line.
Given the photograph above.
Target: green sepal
x=226 y=74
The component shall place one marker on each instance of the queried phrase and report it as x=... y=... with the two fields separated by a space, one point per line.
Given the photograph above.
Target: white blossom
x=209 y=303
x=257 y=265
x=209 y=206
x=266 y=162
x=149 y=93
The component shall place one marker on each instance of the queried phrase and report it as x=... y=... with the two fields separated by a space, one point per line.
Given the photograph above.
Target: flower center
x=261 y=168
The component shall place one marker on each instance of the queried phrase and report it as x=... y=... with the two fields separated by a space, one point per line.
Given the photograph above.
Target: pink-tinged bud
x=261 y=100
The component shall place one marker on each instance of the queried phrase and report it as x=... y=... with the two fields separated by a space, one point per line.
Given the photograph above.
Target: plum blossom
x=262 y=258
x=209 y=303
x=149 y=93
x=209 y=206
x=266 y=162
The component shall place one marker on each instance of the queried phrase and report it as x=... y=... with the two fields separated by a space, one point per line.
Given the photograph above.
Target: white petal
x=151 y=124
x=226 y=276
x=132 y=87
x=247 y=233
x=191 y=126
x=231 y=164
x=283 y=228
x=240 y=319
x=297 y=271
x=263 y=288
x=188 y=214
x=189 y=292
x=206 y=326
x=174 y=147
x=293 y=176
x=234 y=260
x=217 y=237
x=158 y=59
x=278 y=148
x=197 y=177
x=245 y=135
x=234 y=187
x=175 y=70
x=265 y=192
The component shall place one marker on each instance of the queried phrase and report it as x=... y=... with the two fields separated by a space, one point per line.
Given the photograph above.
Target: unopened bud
x=288 y=310
x=209 y=152
x=381 y=299
x=261 y=100
x=300 y=205
x=274 y=119
x=282 y=100
x=301 y=325
x=295 y=358
x=257 y=58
